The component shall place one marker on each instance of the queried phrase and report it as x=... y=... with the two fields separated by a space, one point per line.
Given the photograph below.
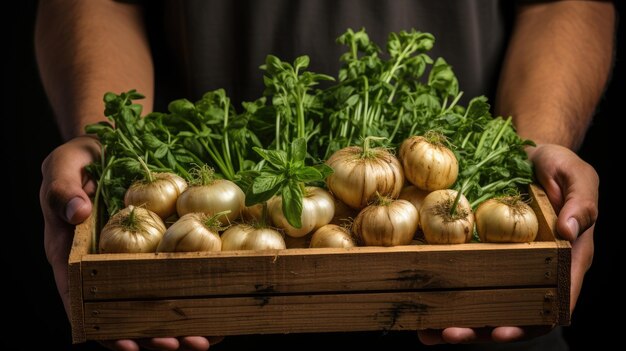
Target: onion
x=387 y=223
x=362 y=173
x=210 y=195
x=252 y=214
x=332 y=235
x=318 y=209
x=427 y=163
x=192 y=232
x=506 y=219
x=132 y=229
x=414 y=195
x=247 y=237
x=440 y=225
x=158 y=195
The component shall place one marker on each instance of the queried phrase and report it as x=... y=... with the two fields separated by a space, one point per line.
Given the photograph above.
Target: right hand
x=65 y=201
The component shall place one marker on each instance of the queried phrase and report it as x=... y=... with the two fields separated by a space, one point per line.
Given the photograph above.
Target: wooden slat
x=547 y=219
x=545 y=214
x=80 y=248
x=320 y=290
x=320 y=270
x=319 y=313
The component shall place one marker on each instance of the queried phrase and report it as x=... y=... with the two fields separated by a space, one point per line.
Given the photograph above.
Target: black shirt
x=203 y=45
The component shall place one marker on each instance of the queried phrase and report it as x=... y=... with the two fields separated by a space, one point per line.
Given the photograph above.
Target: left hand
x=572 y=187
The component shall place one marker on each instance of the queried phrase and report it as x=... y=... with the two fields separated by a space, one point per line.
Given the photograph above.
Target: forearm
x=556 y=69
x=86 y=48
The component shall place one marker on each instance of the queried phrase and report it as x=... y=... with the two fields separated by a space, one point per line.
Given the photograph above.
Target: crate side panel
x=319 y=313
x=547 y=219
x=311 y=271
x=80 y=248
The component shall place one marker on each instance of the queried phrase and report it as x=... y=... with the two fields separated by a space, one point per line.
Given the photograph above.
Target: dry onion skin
x=414 y=195
x=332 y=235
x=158 y=195
x=360 y=173
x=427 y=163
x=131 y=230
x=506 y=220
x=252 y=214
x=209 y=195
x=439 y=225
x=192 y=232
x=247 y=237
x=318 y=209
x=387 y=223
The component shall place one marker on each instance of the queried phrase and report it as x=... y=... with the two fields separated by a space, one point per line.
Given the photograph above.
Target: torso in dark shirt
x=203 y=45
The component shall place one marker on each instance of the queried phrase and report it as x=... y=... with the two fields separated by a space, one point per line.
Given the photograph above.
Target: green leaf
x=324 y=169
x=151 y=141
x=161 y=151
x=130 y=165
x=306 y=174
x=442 y=78
x=478 y=107
x=181 y=107
x=277 y=158
x=267 y=181
x=292 y=203
x=298 y=150
x=98 y=128
x=301 y=62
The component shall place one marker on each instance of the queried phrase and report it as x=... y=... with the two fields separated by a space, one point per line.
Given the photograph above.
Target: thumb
x=65 y=184
x=77 y=209
x=580 y=205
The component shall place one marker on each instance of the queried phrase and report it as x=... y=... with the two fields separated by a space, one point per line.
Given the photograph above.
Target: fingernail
x=572 y=223
x=72 y=207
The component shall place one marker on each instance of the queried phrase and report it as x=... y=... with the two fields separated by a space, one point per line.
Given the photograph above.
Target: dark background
x=32 y=307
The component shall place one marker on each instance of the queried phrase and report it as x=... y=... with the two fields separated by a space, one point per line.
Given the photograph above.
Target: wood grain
x=321 y=270
x=547 y=219
x=320 y=290
x=318 y=313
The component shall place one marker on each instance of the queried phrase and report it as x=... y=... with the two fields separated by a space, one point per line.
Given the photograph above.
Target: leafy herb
x=391 y=94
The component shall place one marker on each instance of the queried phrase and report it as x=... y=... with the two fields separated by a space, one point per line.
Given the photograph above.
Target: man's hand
x=65 y=202
x=572 y=187
x=64 y=197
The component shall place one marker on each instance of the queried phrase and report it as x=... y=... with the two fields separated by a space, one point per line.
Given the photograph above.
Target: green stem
x=147 y=173
x=454 y=102
x=367 y=150
x=213 y=152
x=300 y=112
x=365 y=107
x=277 y=131
x=96 y=201
x=500 y=133
x=455 y=203
x=397 y=126
x=225 y=142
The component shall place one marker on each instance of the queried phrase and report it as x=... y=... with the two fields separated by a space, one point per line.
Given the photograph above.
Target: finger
x=430 y=336
x=62 y=190
x=580 y=208
x=120 y=345
x=459 y=335
x=571 y=185
x=196 y=343
x=582 y=257
x=161 y=344
x=507 y=334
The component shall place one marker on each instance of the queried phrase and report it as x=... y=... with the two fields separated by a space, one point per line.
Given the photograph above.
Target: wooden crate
x=320 y=290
